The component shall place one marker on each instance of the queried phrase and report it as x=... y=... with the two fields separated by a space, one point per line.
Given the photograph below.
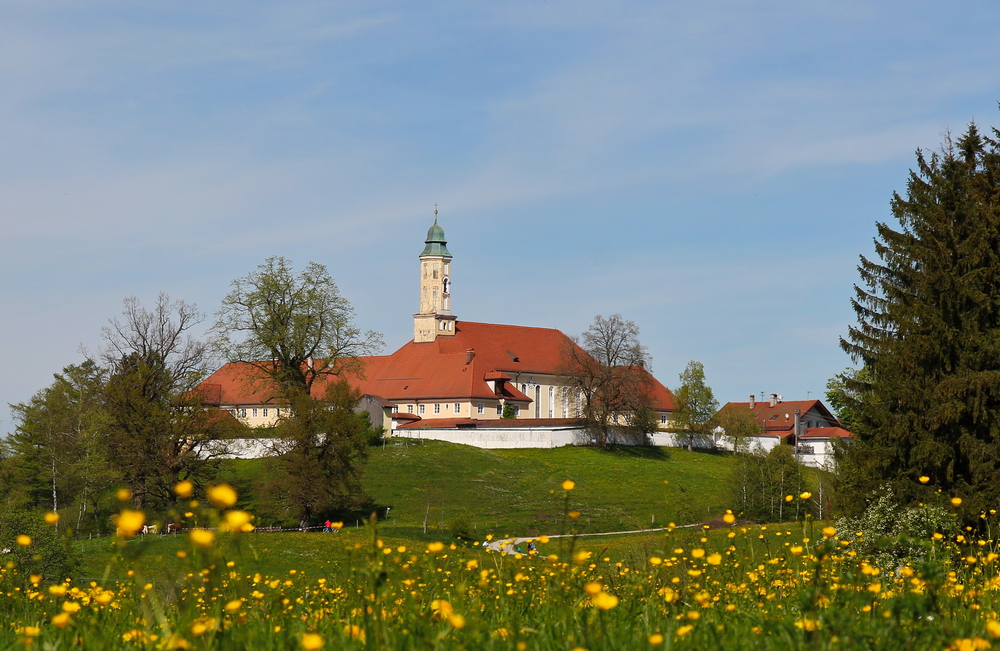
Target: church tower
x=434 y=318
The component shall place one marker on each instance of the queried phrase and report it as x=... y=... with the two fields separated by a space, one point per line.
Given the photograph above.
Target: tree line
x=132 y=415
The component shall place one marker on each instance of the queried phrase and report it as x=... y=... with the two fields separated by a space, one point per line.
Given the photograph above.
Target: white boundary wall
x=499 y=437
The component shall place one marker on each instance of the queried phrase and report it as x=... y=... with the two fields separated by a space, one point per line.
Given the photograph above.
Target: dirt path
x=509 y=545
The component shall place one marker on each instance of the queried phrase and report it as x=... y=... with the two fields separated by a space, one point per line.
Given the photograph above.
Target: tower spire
x=435 y=318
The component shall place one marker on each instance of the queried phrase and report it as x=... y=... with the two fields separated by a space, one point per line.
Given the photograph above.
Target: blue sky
x=711 y=172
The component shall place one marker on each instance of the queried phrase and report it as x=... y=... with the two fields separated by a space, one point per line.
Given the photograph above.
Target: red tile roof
x=782 y=415
x=439 y=370
x=826 y=433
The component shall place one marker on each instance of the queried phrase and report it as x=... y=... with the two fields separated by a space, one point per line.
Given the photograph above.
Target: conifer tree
x=928 y=337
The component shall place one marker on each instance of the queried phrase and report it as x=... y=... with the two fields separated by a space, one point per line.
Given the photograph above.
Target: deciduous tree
x=319 y=453
x=696 y=405
x=293 y=329
x=608 y=367
x=156 y=425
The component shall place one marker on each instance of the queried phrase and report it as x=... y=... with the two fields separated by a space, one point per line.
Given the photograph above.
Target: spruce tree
x=928 y=338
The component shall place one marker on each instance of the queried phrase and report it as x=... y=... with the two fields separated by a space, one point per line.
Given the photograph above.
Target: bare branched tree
x=160 y=336
x=609 y=368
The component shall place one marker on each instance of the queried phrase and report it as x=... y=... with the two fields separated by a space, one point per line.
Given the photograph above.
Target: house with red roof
x=453 y=381
x=807 y=425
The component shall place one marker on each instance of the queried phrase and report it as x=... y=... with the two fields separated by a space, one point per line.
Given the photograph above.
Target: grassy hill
x=518 y=491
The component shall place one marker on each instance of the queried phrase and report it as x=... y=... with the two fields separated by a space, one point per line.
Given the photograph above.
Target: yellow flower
x=35 y=578
x=233 y=606
x=956 y=501
x=829 y=532
x=924 y=479
x=604 y=601
x=57 y=590
x=697 y=553
x=123 y=494
x=456 y=621
x=714 y=559
x=656 y=639
x=311 y=642
x=806 y=495
x=52 y=518
x=71 y=607
x=729 y=518
x=184 y=489
x=354 y=632
x=993 y=628
x=693 y=615
x=969 y=644
x=105 y=597
x=202 y=537
x=807 y=624
x=435 y=547
x=24 y=541
x=684 y=630
x=129 y=522
x=442 y=608
x=222 y=496
x=582 y=557
x=60 y=620
x=30 y=631
x=574 y=515
x=592 y=588
x=568 y=485
x=236 y=521
x=789 y=498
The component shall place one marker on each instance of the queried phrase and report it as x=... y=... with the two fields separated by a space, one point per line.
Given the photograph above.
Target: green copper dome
x=435 y=242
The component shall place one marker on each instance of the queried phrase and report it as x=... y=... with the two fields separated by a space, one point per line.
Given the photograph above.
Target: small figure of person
x=327 y=526
x=531 y=547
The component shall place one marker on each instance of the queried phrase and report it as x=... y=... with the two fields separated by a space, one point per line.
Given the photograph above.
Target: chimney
x=774 y=399
x=798 y=423
x=753 y=401
x=470 y=354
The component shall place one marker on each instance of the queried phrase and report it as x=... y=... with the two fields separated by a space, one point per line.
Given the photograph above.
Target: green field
x=516 y=492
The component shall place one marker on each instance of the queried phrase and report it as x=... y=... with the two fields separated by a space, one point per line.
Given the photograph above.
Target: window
x=480 y=408
x=437 y=407
x=420 y=409
x=265 y=412
x=663 y=419
x=499 y=410
x=243 y=413
x=395 y=409
x=255 y=412
x=517 y=411
x=458 y=407
x=409 y=409
x=277 y=412
x=552 y=402
x=435 y=274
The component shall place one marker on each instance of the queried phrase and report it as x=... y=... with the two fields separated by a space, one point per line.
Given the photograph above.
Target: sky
x=711 y=171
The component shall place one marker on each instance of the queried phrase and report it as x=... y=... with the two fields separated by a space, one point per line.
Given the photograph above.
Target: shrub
x=893 y=536
x=49 y=554
x=461 y=527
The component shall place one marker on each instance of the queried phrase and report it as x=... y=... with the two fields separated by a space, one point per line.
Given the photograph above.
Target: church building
x=453 y=378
